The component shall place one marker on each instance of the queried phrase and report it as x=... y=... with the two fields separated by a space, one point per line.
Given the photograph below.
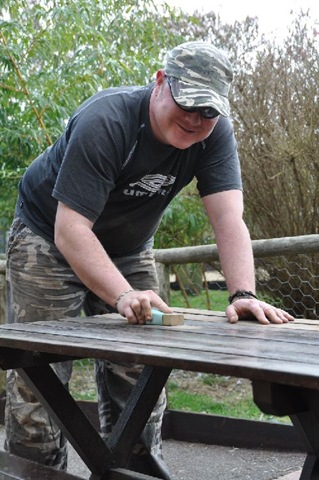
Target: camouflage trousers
x=41 y=285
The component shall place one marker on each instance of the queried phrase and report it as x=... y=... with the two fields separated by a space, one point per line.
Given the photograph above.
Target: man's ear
x=160 y=77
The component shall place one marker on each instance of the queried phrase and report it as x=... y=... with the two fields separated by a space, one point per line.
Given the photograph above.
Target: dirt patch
x=219 y=387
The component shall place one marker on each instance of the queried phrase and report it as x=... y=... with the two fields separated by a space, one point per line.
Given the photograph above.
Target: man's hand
x=263 y=312
x=136 y=306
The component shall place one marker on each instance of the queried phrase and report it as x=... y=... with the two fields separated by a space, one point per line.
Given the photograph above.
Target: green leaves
x=54 y=55
x=185 y=222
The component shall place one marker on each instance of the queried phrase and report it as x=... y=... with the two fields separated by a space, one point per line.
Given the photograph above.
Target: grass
x=236 y=406
x=82 y=385
x=191 y=402
x=217 y=300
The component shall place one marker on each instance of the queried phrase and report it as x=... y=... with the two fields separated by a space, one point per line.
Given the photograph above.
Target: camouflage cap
x=204 y=76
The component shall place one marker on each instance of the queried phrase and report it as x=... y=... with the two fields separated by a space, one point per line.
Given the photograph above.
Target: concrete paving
x=193 y=461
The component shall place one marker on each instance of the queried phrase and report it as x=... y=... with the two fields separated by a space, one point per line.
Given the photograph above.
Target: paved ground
x=190 y=461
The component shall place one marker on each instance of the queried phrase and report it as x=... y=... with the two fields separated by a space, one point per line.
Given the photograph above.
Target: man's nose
x=194 y=118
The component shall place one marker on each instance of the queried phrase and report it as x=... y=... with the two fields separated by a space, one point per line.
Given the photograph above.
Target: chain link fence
x=287 y=273
x=288 y=282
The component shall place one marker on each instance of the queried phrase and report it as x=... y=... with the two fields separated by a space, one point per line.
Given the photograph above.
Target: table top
x=207 y=342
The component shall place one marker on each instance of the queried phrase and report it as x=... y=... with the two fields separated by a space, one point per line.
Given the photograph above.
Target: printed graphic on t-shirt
x=151 y=185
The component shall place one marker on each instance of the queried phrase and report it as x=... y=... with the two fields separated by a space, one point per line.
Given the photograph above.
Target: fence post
x=2 y=290
x=2 y=315
x=163 y=272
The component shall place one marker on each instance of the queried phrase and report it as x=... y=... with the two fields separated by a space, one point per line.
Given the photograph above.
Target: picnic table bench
x=282 y=361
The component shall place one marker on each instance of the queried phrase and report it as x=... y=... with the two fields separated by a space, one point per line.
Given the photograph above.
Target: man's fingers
x=263 y=312
x=232 y=314
x=136 y=306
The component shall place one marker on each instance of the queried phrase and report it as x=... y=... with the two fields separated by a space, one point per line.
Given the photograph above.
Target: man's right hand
x=136 y=306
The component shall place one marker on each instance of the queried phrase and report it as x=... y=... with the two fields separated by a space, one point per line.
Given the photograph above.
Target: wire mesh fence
x=289 y=282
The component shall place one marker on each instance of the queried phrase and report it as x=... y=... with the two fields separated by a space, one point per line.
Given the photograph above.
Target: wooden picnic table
x=282 y=361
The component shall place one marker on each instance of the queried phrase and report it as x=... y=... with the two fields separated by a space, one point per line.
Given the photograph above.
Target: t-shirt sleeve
x=90 y=165
x=219 y=169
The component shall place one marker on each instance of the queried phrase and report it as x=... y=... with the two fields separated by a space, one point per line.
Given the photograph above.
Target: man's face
x=171 y=124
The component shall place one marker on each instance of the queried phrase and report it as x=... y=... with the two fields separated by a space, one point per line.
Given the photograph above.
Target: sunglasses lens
x=205 y=112
x=208 y=112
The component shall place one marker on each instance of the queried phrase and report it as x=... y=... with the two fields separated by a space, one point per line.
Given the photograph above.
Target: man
x=88 y=209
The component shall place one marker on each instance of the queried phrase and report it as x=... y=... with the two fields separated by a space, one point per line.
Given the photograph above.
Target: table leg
x=68 y=416
x=136 y=413
x=98 y=456
x=302 y=405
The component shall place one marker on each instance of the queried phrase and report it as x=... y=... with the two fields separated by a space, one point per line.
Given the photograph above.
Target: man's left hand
x=244 y=308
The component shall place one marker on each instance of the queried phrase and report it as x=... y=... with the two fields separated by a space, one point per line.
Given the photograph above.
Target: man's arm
x=88 y=259
x=225 y=211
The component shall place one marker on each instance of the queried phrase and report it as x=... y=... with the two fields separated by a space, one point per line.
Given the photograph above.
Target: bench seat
x=14 y=467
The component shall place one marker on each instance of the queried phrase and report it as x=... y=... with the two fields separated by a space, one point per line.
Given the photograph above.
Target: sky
x=273 y=15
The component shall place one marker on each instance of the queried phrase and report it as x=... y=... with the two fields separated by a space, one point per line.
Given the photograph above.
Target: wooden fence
x=303 y=244
x=275 y=247
x=2 y=289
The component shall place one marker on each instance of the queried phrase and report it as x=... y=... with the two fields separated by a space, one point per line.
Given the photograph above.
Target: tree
x=276 y=116
x=55 y=54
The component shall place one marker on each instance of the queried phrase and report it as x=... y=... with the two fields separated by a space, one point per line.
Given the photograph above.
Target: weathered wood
x=122 y=474
x=2 y=318
x=136 y=412
x=17 y=468
x=262 y=248
x=2 y=298
x=278 y=353
x=2 y=266
x=163 y=272
x=232 y=432
x=61 y=406
x=302 y=405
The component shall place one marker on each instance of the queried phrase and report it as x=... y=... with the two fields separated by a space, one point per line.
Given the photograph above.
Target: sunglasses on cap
x=205 y=112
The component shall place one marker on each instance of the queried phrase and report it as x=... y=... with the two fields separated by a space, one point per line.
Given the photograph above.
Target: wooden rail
x=204 y=253
x=272 y=247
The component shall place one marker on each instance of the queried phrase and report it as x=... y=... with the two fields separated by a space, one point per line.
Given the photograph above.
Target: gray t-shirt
x=108 y=167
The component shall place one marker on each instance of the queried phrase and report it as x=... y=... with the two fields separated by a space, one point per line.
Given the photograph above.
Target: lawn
x=212 y=299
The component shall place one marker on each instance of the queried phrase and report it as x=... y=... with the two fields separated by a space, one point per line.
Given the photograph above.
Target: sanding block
x=166 y=319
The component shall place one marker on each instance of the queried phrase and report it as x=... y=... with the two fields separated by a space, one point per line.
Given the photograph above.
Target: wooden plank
x=122 y=474
x=14 y=467
x=97 y=327
x=202 y=339
x=233 y=432
x=239 y=350
x=240 y=340
x=293 y=373
x=252 y=345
